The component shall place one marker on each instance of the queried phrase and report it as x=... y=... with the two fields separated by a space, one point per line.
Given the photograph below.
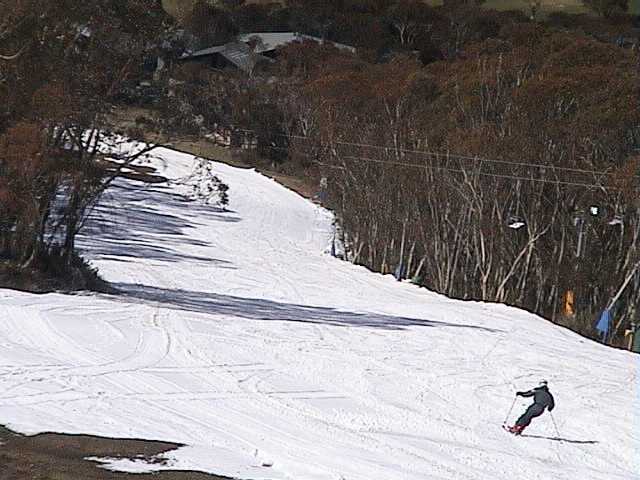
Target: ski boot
x=516 y=429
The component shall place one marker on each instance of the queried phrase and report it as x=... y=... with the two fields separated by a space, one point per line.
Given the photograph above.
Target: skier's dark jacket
x=541 y=396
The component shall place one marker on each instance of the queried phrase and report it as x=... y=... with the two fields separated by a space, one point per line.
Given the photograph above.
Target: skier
x=542 y=399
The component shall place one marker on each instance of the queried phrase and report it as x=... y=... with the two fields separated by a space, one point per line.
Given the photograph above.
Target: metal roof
x=241 y=55
x=267 y=41
x=245 y=57
x=204 y=52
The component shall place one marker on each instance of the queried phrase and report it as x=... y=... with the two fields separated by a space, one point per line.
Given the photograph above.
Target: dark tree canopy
x=607 y=8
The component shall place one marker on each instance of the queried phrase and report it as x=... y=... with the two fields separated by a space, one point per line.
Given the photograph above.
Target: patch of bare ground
x=51 y=456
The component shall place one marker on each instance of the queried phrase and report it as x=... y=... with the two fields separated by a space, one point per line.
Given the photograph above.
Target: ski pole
x=559 y=438
x=509 y=414
x=555 y=426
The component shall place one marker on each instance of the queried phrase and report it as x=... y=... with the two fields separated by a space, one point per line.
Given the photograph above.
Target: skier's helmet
x=543 y=383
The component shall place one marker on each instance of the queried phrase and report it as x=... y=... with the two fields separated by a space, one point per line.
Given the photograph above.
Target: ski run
x=237 y=335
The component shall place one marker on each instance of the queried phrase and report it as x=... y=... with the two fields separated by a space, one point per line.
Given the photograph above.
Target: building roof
x=237 y=53
x=241 y=55
x=204 y=52
x=268 y=41
x=245 y=57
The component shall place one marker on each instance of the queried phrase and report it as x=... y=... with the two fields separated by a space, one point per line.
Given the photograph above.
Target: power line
x=466 y=157
x=495 y=175
x=448 y=155
x=456 y=170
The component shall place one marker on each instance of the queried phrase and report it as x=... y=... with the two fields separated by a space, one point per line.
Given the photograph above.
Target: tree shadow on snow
x=560 y=439
x=260 y=309
x=134 y=223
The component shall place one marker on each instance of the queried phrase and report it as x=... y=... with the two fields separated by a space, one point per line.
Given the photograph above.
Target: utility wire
x=444 y=155
x=456 y=170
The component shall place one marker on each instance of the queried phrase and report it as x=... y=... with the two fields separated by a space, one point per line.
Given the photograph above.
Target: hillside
x=237 y=335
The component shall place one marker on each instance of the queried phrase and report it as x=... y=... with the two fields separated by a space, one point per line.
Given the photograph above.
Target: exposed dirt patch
x=51 y=456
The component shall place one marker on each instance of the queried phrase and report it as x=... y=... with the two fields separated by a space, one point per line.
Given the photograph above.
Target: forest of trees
x=481 y=154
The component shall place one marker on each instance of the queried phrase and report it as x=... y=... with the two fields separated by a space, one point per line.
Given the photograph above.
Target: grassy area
x=178 y=8
x=546 y=7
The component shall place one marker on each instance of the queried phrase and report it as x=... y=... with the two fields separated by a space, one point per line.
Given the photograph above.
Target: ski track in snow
x=239 y=337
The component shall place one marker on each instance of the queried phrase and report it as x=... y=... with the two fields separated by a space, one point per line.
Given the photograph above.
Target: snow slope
x=239 y=337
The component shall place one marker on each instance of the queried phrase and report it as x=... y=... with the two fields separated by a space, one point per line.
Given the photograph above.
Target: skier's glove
x=518 y=394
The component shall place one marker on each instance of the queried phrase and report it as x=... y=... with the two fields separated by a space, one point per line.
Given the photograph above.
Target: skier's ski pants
x=532 y=412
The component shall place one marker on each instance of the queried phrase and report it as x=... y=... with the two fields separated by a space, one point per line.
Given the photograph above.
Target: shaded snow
x=238 y=336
